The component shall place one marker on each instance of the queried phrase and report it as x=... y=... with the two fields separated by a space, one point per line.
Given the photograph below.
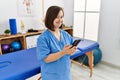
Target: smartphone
x=76 y=42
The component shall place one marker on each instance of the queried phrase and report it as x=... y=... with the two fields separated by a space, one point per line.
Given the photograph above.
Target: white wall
x=9 y=9
x=68 y=9
x=109 y=32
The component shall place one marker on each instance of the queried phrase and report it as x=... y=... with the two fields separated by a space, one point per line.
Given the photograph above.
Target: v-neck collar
x=54 y=35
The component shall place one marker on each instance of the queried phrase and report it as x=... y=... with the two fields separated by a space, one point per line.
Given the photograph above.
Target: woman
x=54 y=47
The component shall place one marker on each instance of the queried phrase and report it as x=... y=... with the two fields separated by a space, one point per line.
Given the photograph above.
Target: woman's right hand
x=68 y=50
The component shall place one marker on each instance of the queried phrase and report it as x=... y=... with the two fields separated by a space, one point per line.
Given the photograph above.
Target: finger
x=66 y=45
x=74 y=47
x=70 y=46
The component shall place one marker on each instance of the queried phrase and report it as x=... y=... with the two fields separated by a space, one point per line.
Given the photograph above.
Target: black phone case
x=76 y=42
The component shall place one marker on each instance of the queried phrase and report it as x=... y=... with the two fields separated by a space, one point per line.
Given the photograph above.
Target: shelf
x=34 y=33
x=3 y=37
x=8 y=39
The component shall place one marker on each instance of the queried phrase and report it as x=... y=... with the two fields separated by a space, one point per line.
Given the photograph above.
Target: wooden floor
x=100 y=72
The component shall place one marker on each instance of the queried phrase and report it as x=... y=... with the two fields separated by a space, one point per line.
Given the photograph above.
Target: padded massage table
x=23 y=64
x=19 y=65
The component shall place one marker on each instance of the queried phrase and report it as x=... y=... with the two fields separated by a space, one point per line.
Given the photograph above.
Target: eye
x=61 y=16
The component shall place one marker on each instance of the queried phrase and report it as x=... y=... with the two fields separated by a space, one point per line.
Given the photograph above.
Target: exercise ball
x=5 y=48
x=97 y=57
x=15 y=46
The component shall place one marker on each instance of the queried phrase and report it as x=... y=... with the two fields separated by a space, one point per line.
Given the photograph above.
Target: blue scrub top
x=47 y=43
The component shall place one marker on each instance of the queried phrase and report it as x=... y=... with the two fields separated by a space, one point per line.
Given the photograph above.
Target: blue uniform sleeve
x=70 y=38
x=42 y=48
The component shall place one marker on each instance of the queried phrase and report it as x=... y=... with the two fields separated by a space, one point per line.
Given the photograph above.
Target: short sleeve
x=42 y=48
x=69 y=37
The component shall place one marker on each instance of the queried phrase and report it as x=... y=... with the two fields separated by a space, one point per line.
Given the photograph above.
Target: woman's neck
x=56 y=33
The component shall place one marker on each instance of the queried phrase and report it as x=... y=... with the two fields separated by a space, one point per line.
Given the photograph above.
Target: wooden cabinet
x=10 y=39
x=22 y=38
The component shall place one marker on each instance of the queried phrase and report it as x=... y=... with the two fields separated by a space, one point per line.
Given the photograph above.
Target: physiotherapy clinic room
x=94 y=20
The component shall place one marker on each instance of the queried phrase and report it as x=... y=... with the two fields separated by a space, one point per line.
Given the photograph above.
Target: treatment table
x=23 y=64
x=19 y=65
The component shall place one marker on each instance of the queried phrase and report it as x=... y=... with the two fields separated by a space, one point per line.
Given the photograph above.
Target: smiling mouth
x=59 y=22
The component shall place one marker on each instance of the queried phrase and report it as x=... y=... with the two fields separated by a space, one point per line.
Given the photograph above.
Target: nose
x=61 y=19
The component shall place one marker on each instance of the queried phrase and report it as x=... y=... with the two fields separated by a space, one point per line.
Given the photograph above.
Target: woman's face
x=58 y=21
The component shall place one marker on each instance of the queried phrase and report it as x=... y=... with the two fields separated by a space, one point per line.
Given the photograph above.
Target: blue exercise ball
x=97 y=57
x=15 y=46
x=5 y=48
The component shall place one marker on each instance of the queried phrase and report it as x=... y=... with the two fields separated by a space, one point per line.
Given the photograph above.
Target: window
x=86 y=19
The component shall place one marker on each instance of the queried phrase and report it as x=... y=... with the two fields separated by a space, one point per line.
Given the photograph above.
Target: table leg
x=90 y=61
